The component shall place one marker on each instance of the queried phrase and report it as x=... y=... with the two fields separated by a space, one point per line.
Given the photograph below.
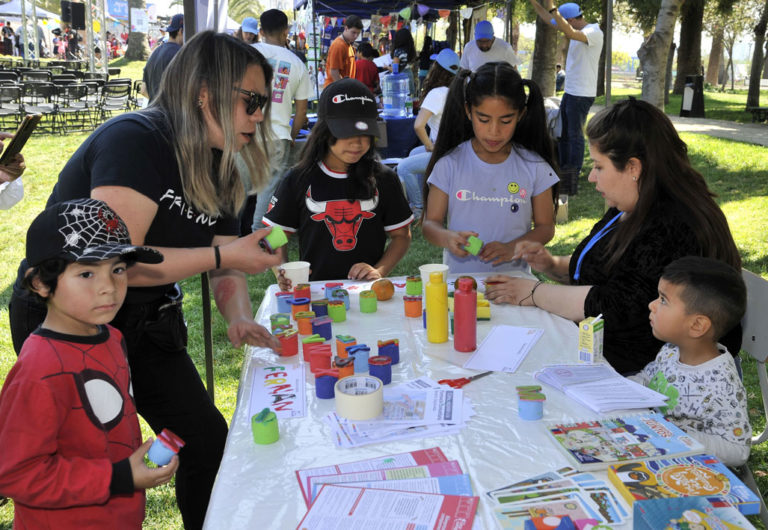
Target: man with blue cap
x=580 y=84
x=486 y=49
x=161 y=57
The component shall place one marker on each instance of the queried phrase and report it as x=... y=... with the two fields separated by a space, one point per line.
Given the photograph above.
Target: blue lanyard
x=591 y=243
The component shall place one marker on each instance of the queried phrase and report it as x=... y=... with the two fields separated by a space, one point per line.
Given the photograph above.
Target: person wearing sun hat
x=486 y=48
x=341 y=200
x=411 y=170
x=586 y=43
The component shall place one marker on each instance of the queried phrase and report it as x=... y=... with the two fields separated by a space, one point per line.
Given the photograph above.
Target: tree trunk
x=653 y=52
x=689 y=50
x=753 y=94
x=137 y=48
x=601 y=64
x=765 y=65
x=668 y=71
x=715 y=54
x=453 y=29
x=544 y=51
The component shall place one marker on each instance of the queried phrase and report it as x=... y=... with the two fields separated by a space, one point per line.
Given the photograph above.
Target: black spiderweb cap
x=82 y=230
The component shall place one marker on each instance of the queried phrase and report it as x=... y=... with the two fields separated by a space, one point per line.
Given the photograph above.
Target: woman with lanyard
x=660 y=209
x=169 y=172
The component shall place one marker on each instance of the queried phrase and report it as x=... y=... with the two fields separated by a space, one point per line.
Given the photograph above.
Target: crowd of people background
x=217 y=136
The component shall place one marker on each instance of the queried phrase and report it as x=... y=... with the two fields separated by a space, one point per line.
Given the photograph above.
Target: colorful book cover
x=687 y=513
x=702 y=475
x=599 y=443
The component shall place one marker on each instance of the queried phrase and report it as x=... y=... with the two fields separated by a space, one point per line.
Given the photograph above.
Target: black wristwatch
x=553 y=10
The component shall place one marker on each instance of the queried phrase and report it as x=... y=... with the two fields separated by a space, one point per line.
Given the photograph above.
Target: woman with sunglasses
x=169 y=172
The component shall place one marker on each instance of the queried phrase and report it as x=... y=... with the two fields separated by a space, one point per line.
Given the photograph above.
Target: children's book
x=678 y=513
x=697 y=475
x=595 y=444
x=599 y=387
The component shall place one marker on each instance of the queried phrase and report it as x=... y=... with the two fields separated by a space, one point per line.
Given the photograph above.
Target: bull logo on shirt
x=342 y=218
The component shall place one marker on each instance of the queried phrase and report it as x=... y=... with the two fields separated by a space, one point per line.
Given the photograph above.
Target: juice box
x=591 y=340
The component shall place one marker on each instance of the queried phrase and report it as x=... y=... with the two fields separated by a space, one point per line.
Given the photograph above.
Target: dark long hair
x=361 y=176
x=403 y=39
x=426 y=50
x=495 y=79
x=436 y=77
x=637 y=129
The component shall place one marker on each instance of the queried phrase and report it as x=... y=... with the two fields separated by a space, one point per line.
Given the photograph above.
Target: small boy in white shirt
x=700 y=299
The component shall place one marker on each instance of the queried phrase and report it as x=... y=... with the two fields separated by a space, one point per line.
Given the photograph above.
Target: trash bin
x=692 y=105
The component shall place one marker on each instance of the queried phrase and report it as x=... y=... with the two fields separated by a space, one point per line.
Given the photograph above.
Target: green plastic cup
x=368 y=302
x=474 y=245
x=275 y=239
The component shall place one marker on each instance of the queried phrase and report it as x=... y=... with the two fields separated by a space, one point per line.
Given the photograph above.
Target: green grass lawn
x=728 y=105
x=737 y=172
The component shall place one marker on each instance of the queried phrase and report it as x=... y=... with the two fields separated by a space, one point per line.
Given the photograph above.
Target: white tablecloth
x=256 y=486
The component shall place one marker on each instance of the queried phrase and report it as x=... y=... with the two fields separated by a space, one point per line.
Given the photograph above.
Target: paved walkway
x=753 y=133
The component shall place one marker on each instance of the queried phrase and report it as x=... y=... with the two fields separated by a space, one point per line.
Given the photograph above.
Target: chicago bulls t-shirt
x=334 y=233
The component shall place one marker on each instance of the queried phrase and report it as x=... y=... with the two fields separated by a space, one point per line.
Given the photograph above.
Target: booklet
x=599 y=387
x=413 y=458
x=600 y=443
x=374 y=509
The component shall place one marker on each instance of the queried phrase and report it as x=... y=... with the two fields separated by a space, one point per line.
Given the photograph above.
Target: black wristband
x=553 y=10
x=217 y=254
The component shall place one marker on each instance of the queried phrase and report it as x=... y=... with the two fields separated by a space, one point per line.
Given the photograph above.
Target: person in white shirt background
x=11 y=188
x=487 y=49
x=291 y=84
x=411 y=170
x=580 y=84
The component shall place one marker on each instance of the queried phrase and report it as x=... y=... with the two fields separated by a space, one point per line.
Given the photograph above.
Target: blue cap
x=177 y=22
x=483 y=30
x=448 y=59
x=569 y=10
x=250 y=25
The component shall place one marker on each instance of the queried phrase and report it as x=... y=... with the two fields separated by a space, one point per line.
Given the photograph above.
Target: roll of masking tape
x=359 y=397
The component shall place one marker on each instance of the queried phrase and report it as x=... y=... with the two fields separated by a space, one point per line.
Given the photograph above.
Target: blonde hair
x=217 y=62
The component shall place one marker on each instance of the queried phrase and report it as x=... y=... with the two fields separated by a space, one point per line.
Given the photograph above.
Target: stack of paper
x=416 y=409
x=599 y=387
x=420 y=489
x=587 y=500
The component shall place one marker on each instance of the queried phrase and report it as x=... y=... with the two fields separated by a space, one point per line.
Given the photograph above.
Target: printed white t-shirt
x=583 y=60
x=290 y=81
x=434 y=102
x=494 y=200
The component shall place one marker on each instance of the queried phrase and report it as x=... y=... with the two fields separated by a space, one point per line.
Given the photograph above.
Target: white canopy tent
x=13 y=9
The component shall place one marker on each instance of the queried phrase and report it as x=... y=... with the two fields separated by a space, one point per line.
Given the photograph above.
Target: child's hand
x=145 y=477
x=363 y=271
x=283 y=282
x=497 y=252
x=456 y=241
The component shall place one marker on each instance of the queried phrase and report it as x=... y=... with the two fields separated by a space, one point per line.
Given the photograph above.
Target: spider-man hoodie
x=67 y=427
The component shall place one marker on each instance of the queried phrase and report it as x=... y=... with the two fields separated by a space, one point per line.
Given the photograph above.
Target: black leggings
x=167 y=389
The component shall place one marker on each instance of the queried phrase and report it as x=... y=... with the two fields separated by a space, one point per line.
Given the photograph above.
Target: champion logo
x=342 y=98
x=464 y=195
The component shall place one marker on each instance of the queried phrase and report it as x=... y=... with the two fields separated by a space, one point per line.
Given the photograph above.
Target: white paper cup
x=296 y=271
x=429 y=268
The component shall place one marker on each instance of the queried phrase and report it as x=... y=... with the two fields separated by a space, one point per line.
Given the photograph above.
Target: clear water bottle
x=394 y=91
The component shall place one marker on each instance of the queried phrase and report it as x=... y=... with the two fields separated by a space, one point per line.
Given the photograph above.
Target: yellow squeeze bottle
x=437 y=308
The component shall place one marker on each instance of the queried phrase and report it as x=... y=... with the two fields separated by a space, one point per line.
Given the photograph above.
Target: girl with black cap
x=340 y=199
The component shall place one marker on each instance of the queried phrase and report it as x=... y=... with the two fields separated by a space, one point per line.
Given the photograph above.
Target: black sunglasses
x=255 y=100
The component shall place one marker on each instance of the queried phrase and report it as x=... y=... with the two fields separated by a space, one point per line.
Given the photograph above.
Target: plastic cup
x=429 y=268
x=296 y=271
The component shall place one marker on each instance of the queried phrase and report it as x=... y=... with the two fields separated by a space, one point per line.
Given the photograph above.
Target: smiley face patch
x=513 y=187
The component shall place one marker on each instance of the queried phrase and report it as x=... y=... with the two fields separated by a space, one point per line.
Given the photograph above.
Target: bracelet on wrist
x=536 y=285
x=217 y=255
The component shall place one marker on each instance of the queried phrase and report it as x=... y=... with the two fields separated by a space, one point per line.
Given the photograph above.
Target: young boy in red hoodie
x=72 y=455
